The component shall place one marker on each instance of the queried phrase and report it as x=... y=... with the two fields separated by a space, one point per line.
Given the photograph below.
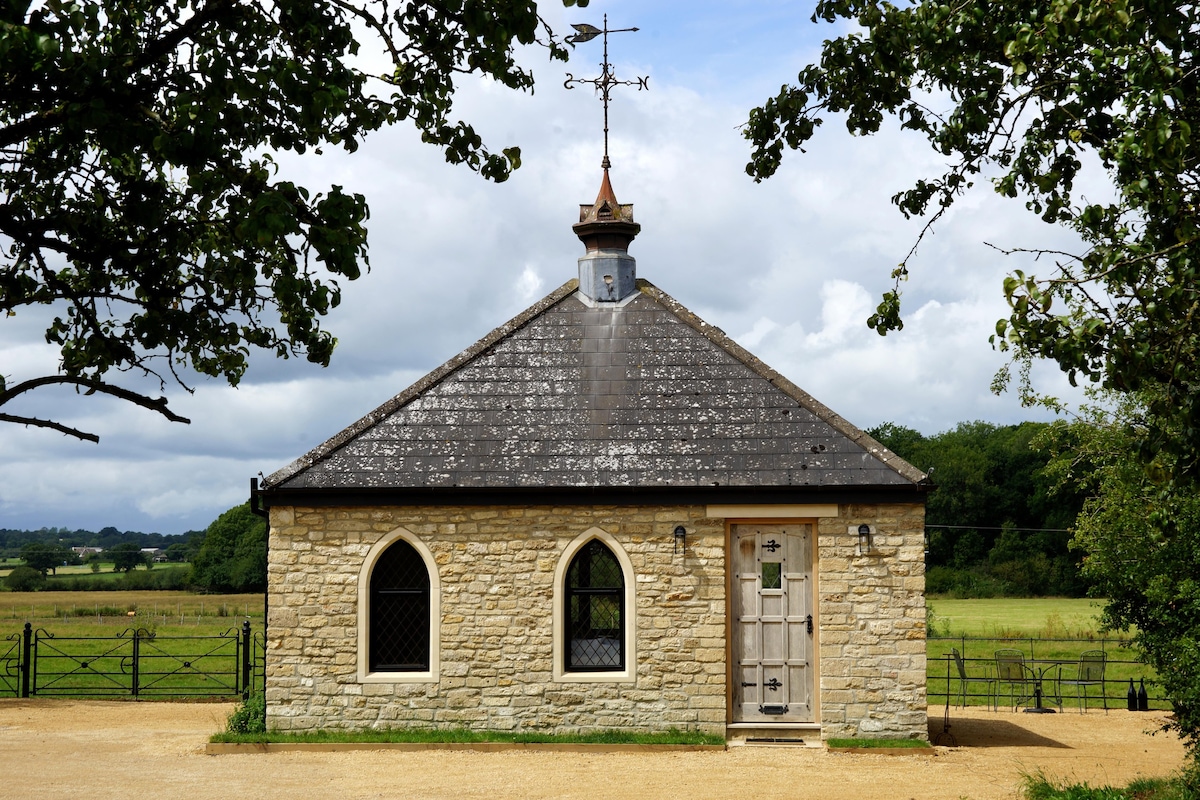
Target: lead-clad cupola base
x=607 y=273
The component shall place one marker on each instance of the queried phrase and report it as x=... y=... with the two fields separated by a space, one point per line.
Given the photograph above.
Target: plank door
x=772 y=623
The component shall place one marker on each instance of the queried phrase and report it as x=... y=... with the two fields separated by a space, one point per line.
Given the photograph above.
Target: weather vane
x=607 y=79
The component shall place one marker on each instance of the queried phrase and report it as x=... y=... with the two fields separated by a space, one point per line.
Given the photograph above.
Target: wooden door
x=772 y=623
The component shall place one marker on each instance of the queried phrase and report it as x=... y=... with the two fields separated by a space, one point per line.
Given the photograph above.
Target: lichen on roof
x=574 y=394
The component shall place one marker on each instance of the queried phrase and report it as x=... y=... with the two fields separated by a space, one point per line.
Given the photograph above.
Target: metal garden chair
x=964 y=680
x=1011 y=671
x=1090 y=672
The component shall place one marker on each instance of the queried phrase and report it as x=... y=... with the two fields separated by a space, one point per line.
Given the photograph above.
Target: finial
x=607 y=78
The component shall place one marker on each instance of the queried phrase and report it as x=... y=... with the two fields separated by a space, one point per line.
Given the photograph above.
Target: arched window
x=400 y=611
x=595 y=611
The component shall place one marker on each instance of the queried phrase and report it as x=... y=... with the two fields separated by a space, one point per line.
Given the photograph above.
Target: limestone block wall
x=496 y=568
x=872 y=624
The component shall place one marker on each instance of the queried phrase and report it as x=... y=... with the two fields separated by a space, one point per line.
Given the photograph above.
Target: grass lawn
x=1041 y=628
x=428 y=736
x=74 y=570
x=85 y=641
x=1049 y=617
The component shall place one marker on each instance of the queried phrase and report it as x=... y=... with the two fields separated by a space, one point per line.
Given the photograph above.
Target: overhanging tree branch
x=141 y=205
x=92 y=386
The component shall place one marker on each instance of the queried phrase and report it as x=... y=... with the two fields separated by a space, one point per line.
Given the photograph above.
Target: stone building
x=604 y=514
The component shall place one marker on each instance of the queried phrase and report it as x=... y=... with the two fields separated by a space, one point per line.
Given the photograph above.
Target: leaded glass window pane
x=595 y=610
x=399 y=611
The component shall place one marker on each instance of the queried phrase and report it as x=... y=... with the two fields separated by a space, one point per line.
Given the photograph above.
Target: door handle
x=808 y=623
x=745 y=684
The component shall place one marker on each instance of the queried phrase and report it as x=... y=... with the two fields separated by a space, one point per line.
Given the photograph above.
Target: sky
x=791 y=268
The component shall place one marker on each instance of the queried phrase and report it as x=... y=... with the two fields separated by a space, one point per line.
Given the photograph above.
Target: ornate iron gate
x=138 y=663
x=10 y=664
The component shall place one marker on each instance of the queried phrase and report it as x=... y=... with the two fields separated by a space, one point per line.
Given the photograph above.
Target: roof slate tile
x=643 y=394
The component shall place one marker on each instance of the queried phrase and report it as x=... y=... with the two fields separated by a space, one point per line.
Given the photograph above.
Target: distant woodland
x=995 y=526
x=230 y=555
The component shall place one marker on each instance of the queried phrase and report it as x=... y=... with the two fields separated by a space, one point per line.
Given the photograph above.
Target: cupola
x=607 y=273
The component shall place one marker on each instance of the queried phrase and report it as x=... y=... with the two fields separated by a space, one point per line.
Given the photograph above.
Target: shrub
x=25 y=579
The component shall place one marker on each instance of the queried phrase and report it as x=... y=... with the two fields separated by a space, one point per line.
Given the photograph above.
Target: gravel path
x=69 y=749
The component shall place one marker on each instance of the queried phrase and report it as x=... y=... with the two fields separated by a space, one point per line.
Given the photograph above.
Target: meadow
x=1048 y=617
x=1044 y=629
x=185 y=644
x=108 y=613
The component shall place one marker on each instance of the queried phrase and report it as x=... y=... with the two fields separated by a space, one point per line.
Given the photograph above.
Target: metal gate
x=137 y=663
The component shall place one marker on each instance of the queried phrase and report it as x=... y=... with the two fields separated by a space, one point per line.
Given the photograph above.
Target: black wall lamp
x=865 y=545
x=680 y=538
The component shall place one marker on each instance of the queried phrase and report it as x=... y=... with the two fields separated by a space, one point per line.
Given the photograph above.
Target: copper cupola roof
x=606 y=224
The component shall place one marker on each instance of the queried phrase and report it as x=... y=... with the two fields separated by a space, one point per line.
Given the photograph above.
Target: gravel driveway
x=69 y=749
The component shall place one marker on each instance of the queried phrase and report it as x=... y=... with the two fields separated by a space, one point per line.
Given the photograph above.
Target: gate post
x=246 y=660
x=26 y=651
x=135 y=662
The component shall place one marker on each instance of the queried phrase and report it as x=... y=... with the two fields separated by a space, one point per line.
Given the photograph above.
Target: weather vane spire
x=608 y=78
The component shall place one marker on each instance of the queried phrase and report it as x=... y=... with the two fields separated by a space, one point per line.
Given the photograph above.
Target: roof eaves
x=326 y=449
x=823 y=412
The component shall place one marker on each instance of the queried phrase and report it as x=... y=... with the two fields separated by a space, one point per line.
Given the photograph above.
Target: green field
x=1047 y=617
x=186 y=643
x=73 y=570
x=1046 y=629
x=107 y=613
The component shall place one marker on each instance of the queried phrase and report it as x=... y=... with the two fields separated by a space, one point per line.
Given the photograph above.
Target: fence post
x=246 y=660
x=136 y=653
x=26 y=653
x=949 y=656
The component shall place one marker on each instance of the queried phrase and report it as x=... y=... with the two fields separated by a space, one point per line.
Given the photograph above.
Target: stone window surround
x=364 y=611
x=558 y=618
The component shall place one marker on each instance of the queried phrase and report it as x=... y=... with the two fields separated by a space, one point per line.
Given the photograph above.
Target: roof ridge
x=760 y=368
x=373 y=418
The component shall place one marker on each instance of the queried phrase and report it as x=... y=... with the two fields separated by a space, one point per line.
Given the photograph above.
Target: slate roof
x=644 y=395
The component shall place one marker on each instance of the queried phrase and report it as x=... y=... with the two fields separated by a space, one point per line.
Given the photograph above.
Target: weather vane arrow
x=607 y=79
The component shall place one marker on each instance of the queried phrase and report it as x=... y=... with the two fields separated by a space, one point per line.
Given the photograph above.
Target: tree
x=1034 y=90
x=43 y=556
x=126 y=557
x=139 y=202
x=1139 y=532
x=994 y=525
x=24 y=579
x=233 y=554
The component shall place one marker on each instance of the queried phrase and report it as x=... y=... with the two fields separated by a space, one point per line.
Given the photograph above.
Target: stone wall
x=872 y=623
x=496 y=566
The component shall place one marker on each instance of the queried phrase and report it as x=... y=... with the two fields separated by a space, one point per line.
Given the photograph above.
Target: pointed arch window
x=595 y=611
x=400 y=611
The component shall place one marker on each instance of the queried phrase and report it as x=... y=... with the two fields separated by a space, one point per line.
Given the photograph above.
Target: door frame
x=730 y=656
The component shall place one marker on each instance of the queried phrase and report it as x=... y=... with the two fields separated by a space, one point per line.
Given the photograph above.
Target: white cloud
x=797 y=263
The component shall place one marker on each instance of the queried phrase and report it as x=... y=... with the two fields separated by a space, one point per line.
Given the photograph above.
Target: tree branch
x=158 y=405
x=45 y=423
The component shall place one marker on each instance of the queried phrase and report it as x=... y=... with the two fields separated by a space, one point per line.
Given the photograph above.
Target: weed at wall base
x=249 y=717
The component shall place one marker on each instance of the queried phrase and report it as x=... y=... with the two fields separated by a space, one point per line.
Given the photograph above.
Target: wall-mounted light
x=865 y=545
x=680 y=538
